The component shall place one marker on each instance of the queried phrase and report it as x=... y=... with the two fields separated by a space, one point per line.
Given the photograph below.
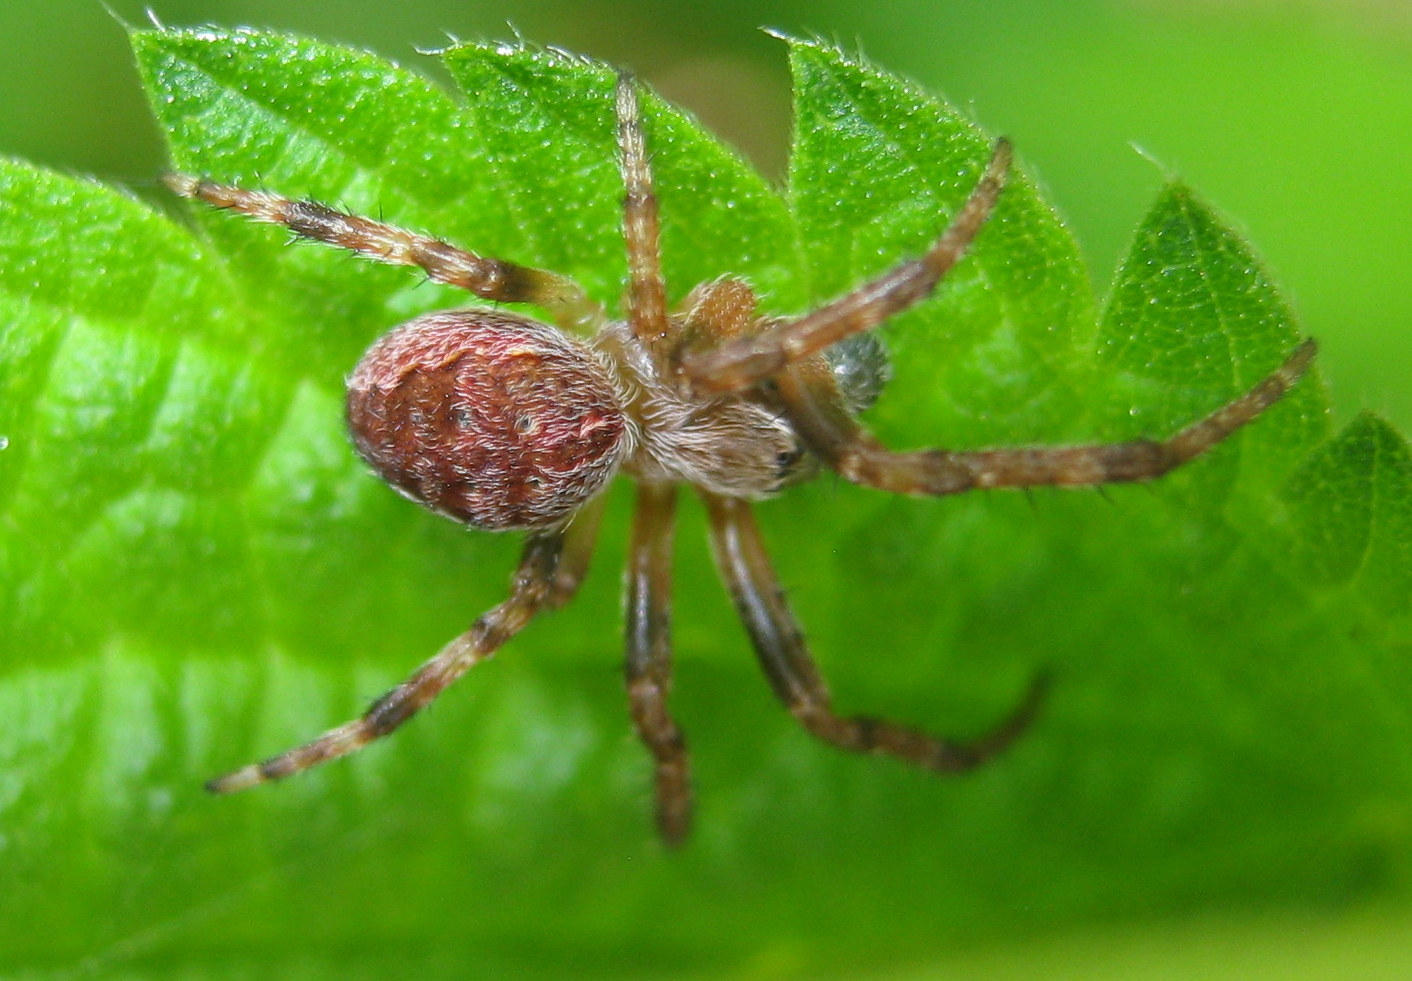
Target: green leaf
x=1352 y=502
x=1188 y=268
x=197 y=572
x=998 y=356
x=546 y=118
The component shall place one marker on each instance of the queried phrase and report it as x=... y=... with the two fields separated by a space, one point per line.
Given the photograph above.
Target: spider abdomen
x=491 y=418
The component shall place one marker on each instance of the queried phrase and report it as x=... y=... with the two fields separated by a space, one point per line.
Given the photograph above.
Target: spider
x=504 y=422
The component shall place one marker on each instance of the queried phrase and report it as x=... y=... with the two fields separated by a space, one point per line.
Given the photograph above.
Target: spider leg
x=740 y=364
x=779 y=644
x=846 y=446
x=550 y=570
x=490 y=279
x=647 y=293
x=649 y=656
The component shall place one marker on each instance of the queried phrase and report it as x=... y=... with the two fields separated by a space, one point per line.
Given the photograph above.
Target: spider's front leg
x=550 y=570
x=779 y=644
x=488 y=278
x=813 y=404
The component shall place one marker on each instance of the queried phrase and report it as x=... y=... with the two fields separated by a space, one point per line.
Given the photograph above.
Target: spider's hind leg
x=550 y=570
x=486 y=277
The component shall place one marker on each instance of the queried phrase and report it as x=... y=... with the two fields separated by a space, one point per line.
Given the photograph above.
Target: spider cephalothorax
x=501 y=421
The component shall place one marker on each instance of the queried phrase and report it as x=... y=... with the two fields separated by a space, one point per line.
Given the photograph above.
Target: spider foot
x=331 y=745
x=865 y=734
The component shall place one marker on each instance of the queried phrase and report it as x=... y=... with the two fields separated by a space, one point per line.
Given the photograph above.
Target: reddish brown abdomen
x=488 y=417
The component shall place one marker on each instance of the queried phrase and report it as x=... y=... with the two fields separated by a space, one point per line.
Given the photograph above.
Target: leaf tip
x=1169 y=173
x=127 y=27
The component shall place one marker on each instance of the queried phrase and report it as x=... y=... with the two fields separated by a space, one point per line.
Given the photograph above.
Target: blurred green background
x=1293 y=116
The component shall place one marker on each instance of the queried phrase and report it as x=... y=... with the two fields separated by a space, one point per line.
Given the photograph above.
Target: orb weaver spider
x=503 y=422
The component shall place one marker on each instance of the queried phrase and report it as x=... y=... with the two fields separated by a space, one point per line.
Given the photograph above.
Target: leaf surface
x=198 y=572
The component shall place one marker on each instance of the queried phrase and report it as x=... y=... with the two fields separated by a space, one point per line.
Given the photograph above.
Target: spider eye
x=486 y=416
x=787 y=462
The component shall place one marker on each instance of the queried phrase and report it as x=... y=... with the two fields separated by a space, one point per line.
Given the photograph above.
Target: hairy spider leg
x=488 y=278
x=648 y=667
x=647 y=293
x=649 y=656
x=750 y=360
x=779 y=644
x=845 y=445
x=550 y=570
